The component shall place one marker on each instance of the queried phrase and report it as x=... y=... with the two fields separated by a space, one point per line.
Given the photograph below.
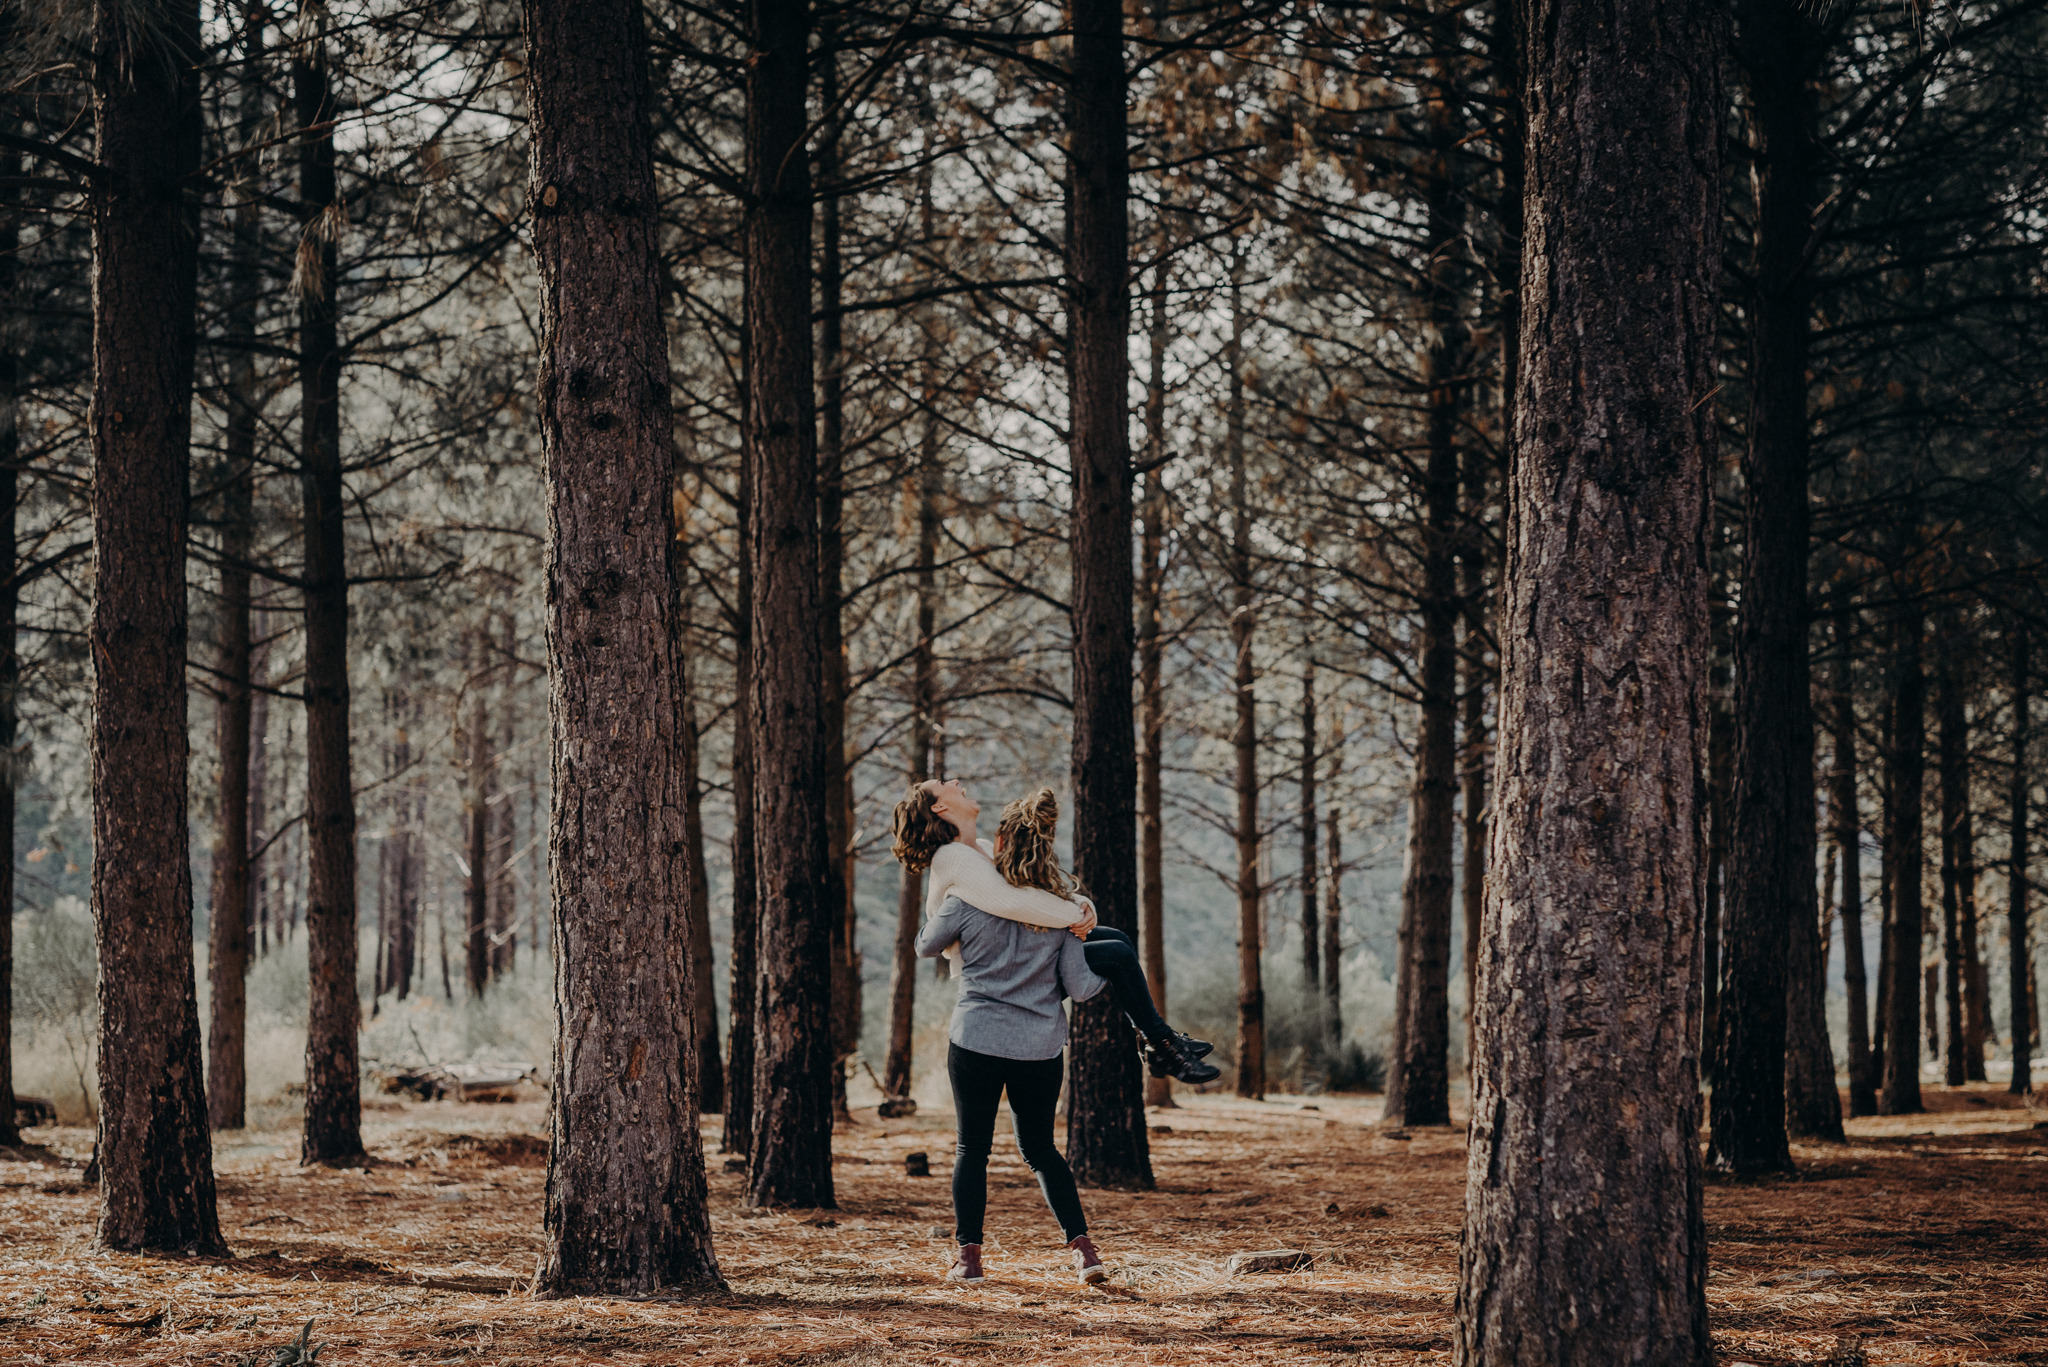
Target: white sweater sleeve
x=960 y=872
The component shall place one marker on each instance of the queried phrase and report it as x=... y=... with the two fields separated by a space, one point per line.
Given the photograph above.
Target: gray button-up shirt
x=1012 y=977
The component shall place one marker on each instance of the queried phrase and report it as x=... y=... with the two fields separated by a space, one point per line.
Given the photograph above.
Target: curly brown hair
x=1024 y=844
x=920 y=831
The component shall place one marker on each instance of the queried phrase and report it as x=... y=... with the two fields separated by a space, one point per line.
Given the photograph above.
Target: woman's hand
x=1087 y=921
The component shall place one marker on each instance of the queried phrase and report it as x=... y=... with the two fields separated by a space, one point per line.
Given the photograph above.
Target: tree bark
x=476 y=817
x=1107 y=1143
x=1908 y=761
x=1952 y=748
x=1251 y=987
x=1720 y=759
x=10 y=602
x=1770 y=911
x=259 y=781
x=1151 y=687
x=1849 y=841
x=743 y=995
x=1311 y=940
x=504 y=814
x=791 y=1159
x=626 y=1200
x=1418 y=1070
x=1584 y=1241
x=2018 y=953
x=333 y=1125
x=710 y=1066
x=924 y=702
x=846 y=1009
x=1333 y=900
x=154 y=1151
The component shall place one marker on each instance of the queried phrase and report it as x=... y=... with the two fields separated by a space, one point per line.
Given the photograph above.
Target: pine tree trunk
x=154 y=1150
x=476 y=819
x=1251 y=987
x=800 y=902
x=1333 y=917
x=1952 y=743
x=259 y=783
x=924 y=686
x=1151 y=687
x=1770 y=913
x=1311 y=941
x=710 y=1065
x=333 y=1125
x=2016 y=867
x=1107 y=1144
x=504 y=814
x=1720 y=760
x=626 y=1198
x=1908 y=761
x=743 y=995
x=1418 y=1069
x=1849 y=841
x=10 y=601
x=227 y=936
x=1584 y=1240
x=846 y=1010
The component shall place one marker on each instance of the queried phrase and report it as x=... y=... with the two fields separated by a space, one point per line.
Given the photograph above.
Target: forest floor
x=1925 y=1236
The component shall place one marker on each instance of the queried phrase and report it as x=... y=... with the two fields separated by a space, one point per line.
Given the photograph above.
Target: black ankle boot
x=1200 y=1048
x=1170 y=1056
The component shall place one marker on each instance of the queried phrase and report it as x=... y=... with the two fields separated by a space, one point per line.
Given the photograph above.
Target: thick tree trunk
x=1952 y=749
x=154 y=1152
x=800 y=902
x=333 y=1126
x=1151 y=686
x=1908 y=763
x=1419 y=1068
x=1251 y=987
x=2018 y=954
x=846 y=1010
x=1584 y=1241
x=1106 y=1139
x=924 y=702
x=1770 y=913
x=1849 y=841
x=626 y=1200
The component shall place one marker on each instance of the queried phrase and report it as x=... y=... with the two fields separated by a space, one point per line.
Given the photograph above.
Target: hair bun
x=1045 y=812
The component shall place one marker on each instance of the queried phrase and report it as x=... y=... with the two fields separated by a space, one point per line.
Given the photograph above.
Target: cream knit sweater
x=972 y=876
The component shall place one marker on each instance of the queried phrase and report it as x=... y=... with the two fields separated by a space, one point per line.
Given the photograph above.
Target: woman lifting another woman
x=1000 y=910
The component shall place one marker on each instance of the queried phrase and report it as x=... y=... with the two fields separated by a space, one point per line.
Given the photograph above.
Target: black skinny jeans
x=1034 y=1086
x=1114 y=959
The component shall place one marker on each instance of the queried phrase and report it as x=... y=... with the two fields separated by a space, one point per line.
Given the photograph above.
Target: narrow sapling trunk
x=1901 y=1091
x=1106 y=1137
x=800 y=903
x=743 y=982
x=626 y=1195
x=2018 y=951
x=1848 y=837
x=476 y=820
x=1311 y=942
x=1333 y=898
x=1952 y=742
x=1151 y=685
x=703 y=965
x=1584 y=1239
x=154 y=1150
x=1251 y=986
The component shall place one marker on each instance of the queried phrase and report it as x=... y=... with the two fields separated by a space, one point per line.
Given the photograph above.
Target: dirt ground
x=1926 y=1237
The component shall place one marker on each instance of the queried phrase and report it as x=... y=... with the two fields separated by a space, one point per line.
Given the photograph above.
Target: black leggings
x=1034 y=1086
x=1114 y=958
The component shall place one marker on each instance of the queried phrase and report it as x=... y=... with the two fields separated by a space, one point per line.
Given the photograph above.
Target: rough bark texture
x=1908 y=762
x=1106 y=1140
x=626 y=1205
x=737 y=1135
x=1418 y=1068
x=1848 y=836
x=2018 y=948
x=10 y=661
x=1770 y=912
x=1151 y=686
x=924 y=685
x=1720 y=760
x=1584 y=1241
x=333 y=1124
x=154 y=1152
x=703 y=963
x=800 y=902
x=1251 y=986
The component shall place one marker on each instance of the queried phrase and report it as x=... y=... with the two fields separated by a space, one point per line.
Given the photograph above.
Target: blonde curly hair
x=920 y=831
x=1024 y=844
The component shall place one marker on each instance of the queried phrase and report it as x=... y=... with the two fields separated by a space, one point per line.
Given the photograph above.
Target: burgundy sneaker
x=1087 y=1262
x=966 y=1264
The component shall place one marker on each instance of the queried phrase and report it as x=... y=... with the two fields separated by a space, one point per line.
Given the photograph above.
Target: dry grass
x=1926 y=1236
